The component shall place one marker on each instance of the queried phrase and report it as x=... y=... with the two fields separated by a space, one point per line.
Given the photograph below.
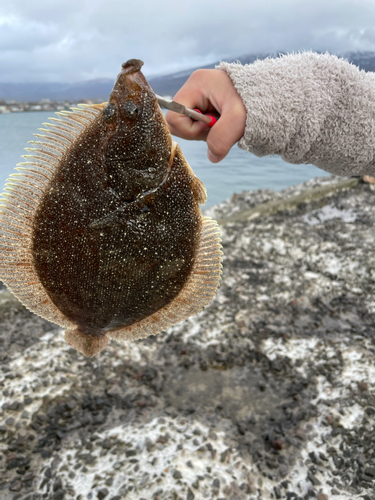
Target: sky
x=76 y=40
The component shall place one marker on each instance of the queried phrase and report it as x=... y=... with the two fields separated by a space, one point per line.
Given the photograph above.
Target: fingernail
x=212 y=157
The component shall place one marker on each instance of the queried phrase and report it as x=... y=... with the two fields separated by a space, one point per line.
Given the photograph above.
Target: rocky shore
x=269 y=393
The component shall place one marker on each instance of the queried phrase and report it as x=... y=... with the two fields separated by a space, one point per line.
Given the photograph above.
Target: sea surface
x=239 y=171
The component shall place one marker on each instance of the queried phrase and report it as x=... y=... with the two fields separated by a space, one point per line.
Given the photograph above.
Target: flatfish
x=101 y=230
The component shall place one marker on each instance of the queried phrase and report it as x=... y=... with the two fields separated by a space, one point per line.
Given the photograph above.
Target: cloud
x=17 y=36
x=66 y=41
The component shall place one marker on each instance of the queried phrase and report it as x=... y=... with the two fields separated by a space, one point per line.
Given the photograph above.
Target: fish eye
x=130 y=109
x=109 y=113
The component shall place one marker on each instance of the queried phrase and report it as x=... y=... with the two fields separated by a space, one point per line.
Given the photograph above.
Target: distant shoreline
x=7 y=107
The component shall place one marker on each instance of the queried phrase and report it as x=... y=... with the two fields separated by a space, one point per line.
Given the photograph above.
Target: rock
x=362 y=386
x=277 y=444
x=15 y=462
x=190 y=495
x=57 y=485
x=315 y=481
x=102 y=493
x=107 y=444
x=115 y=391
x=283 y=470
x=338 y=461
x=15 y=406
x=370 y=471
x=58 y=495
x=90 y=459
x=216 y=483
x=15 y=485
x=177 y=474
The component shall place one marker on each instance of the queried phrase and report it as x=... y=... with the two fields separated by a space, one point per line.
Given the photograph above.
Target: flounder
x=101 y=230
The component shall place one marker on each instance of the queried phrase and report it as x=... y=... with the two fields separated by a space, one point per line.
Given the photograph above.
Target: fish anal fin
x=197 y=293
x=86 y=344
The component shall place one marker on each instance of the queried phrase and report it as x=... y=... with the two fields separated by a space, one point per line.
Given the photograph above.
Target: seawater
x=239 y=171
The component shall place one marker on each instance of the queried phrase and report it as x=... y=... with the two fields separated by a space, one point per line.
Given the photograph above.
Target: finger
x=226 y=132
x=186 y=128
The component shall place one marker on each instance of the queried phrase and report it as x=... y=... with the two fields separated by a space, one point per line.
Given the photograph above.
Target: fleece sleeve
x=309 y=108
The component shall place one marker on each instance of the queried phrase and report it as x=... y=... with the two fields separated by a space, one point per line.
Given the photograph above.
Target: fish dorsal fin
x=20 y=200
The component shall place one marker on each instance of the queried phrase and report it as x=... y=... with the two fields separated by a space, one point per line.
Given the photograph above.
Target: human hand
x=211 y=91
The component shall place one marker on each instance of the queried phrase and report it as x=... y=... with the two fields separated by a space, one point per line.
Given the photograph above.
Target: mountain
x=169 y=84
x=99 y=89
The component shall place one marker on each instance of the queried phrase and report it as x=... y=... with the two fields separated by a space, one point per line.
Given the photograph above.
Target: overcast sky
x=66 y=40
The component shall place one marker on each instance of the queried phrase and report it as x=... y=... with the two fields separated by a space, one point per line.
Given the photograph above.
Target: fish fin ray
x=68 y=128
x=53 y=146
x=95 y=107
x=59 y=132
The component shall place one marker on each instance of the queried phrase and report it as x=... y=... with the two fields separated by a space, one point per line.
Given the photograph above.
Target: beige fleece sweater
x=309 y=108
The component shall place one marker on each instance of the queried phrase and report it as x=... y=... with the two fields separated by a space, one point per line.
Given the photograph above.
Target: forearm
x=309 y=108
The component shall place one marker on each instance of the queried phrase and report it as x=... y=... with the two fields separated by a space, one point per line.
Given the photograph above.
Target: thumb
x=226 y=132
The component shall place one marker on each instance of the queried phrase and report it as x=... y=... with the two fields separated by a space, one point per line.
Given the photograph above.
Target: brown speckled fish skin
x=117 y=230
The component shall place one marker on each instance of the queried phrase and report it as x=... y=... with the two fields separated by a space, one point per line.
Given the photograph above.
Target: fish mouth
x=131 y=66
x=131 y=75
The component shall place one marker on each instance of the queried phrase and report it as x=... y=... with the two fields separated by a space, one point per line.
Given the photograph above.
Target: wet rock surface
x=268 y=393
